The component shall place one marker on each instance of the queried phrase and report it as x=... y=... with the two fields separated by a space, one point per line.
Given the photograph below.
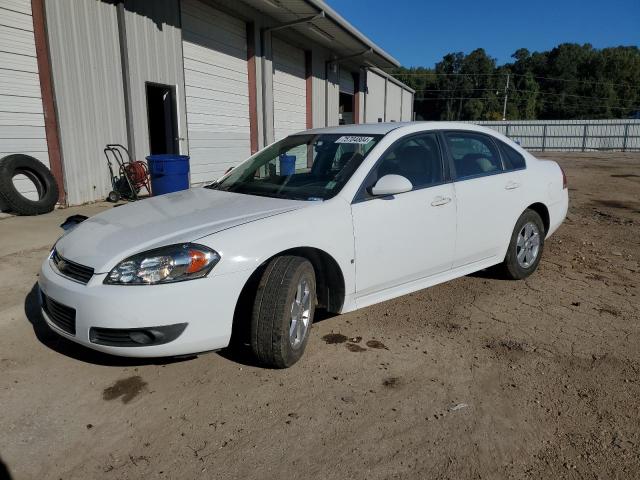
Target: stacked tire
x=15 y=202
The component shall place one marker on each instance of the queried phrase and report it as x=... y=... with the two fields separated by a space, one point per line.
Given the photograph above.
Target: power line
x=535 y=92
x=523 y=99
x=575 y=80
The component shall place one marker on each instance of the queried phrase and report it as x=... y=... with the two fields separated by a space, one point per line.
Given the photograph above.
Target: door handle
x=438 y=201
x=511 y=186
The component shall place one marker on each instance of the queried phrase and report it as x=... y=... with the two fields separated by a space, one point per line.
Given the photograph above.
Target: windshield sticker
x=354 y=139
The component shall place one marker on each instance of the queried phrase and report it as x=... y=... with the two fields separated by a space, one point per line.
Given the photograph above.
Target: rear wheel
x=283 y=311
x=525 y=247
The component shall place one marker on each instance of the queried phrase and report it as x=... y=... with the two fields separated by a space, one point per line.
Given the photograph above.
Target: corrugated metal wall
x=154 y=47
x=571 y=135
x=21 y=115
x=318 y=87
x=87 y=80
x=332 y=89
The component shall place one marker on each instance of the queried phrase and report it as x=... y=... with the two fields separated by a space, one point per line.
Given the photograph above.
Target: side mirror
x=391 y=185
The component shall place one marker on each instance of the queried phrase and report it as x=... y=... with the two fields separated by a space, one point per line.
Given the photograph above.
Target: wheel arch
x=542 y=210
x=330 y=286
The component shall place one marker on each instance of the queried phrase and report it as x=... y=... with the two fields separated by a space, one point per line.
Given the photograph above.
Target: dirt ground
x=476 y=378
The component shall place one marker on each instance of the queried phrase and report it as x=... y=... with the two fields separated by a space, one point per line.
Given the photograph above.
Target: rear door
x=410 y=236
x=487 y=194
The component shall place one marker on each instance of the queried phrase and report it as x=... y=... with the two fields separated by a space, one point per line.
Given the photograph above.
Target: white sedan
x=333 y=218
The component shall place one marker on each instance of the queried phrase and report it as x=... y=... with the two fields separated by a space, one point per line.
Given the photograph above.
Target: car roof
x=386 y=127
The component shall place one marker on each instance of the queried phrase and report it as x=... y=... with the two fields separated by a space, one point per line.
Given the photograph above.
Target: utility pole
x=506 y=96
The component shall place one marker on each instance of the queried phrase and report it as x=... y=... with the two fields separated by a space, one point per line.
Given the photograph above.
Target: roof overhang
x=316 y=20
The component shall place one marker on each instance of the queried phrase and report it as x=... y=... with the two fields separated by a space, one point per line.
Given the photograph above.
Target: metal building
x=213 y=79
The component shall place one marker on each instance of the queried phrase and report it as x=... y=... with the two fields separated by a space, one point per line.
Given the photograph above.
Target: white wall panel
x=87 y=80
x=407 y=106
x=217 y=90
x=394 y=102
x=374 y=98
x=289 y=89
x=21 y=115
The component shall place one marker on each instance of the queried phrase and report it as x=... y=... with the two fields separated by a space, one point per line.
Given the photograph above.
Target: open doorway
x=345 y=116
x=162 y=119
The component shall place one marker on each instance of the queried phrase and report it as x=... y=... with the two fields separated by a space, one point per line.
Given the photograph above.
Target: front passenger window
x=417 y=158
x=473 y=154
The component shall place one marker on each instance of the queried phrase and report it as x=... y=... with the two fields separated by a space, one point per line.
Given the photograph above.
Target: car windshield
x=300 y=167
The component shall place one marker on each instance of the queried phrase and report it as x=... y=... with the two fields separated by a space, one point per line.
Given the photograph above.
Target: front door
x=407 y=237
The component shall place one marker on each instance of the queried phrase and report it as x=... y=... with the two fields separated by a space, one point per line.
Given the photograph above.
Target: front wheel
x=525 y=247
x=283 y=311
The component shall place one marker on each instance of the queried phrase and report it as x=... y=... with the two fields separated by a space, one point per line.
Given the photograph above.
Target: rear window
x=512 y=159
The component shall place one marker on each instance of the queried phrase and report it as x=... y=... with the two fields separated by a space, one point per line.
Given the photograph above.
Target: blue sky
x=420 y=32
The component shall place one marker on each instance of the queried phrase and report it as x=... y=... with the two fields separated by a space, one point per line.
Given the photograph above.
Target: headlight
x=173 y=263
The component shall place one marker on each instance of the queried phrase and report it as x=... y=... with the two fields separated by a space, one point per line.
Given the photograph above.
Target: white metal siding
x=217 y=91
x=394 y=102
x=289 y=89
x=87 y=80
x=407 y=106
x=318 y=88
x=21 y=114
x=374 y=98
x=154 y=55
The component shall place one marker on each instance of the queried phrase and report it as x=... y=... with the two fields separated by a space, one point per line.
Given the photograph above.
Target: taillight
x=564 y=179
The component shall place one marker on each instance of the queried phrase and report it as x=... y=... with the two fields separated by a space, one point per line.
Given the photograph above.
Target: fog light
x=141 y=336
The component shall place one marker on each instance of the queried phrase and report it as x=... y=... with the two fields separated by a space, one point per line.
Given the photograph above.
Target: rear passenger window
x=473 y=154
x=512 y=159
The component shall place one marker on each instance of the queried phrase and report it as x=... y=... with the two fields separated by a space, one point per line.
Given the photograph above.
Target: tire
x=273 y=311
x=113 y=196
x=39 y=174
x=521 y=261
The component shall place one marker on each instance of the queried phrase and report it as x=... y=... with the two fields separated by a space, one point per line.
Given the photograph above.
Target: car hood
x=111 y=236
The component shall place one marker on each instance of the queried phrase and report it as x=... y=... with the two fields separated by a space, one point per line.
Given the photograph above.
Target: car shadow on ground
x=4 y=471
x=491 y=273
x=73 y=350
x=239 y=351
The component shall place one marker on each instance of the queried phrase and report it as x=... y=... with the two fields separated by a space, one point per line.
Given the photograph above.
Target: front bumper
x=207 y=306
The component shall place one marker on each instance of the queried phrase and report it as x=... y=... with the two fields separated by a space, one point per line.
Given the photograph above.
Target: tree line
x=570 y=81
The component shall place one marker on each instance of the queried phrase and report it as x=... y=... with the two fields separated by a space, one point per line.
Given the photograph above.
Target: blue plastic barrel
x=168 y=172
x=287 y=165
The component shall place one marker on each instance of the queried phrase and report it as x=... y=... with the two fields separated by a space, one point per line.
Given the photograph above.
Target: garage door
x=289 y=89
x=216 y=89
x=346 y=81
x=375 y=98
x=21 y=114
x=407 y=106
x=394 y=103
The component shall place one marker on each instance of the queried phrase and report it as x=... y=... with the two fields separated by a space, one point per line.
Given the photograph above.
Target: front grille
x=62 y=316
x=72 y=270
